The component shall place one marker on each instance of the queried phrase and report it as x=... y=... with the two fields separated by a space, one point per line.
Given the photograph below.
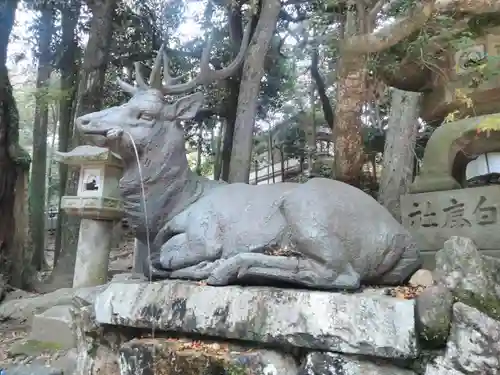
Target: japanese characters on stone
x=426 y=214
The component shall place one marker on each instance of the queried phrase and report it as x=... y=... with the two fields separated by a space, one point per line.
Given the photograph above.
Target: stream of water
x=146 y=218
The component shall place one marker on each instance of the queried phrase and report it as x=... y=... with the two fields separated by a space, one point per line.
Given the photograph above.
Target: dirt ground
x=13 y=334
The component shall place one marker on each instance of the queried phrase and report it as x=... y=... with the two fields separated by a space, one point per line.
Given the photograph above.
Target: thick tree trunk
x=348 y=139
x=253 y=71
x=68 y=69
x=90 y=94
x=14 y=163
x=40 y=127
x=399 y=150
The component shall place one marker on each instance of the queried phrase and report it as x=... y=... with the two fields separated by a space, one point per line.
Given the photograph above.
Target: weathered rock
x=182 y=357
x=440 y=367
x=461 y=268
x=433 y=315
x=422 y=278
x=25 y=308
x=318 y=363
x=473 y=346
x=31 y=370
x=97 y=352
x=54 y=326
x=33 y=348
x=350 y=323
x=426 y=357
x=67 y=362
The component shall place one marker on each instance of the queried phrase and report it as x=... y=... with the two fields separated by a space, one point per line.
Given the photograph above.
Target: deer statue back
x=322 y=234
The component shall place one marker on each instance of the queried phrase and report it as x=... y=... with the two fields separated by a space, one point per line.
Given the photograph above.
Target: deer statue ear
x=185 y=108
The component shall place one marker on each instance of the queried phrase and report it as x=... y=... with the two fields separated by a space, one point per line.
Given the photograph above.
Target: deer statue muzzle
x=322 y=234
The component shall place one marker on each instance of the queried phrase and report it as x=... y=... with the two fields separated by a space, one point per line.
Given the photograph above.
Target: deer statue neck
x=169 y=184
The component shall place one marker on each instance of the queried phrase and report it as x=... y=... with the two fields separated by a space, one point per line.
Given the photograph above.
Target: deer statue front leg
x=189 y=247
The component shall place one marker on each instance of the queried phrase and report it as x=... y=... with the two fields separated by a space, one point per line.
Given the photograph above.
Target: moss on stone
x=34 y=347
x=435 y=337
x=488 y=304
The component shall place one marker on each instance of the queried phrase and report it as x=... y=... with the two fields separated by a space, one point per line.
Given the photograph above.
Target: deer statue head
x=151 y=109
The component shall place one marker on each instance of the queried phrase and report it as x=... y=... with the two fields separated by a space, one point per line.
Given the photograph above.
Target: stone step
x=360 y=323
x=54 y=326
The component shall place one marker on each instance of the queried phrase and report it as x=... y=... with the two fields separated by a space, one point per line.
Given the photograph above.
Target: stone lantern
x=463 y=81
x=456 y=191
x=98 y=203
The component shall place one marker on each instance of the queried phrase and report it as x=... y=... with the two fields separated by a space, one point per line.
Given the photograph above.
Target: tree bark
x=14 y=164
x=228 y=134
x=199 y=148
x=218 y=152
x=90 y=94
x=68 y=68
x=348 y=139
x=40 y=130
x=253 y=71
x=321 y=87
x=233 y=86
x=399 y=150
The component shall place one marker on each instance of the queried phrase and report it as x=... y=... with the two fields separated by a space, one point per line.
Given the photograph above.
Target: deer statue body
x=322 y=234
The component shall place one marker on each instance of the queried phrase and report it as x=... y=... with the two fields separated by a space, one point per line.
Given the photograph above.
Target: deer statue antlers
x=172 y=85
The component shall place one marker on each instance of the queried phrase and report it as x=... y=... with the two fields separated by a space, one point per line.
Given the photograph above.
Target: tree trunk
x=320 y=85
x=271 y=154
x=256 y=167
x=233 y=86
x=39 y=164
x=218 y=152
x=14 y=162
x=68 y=68
x=253 y=71
x=228 y=134
x=310 y=131
x=399 y=150
x=282 y=163
x=351 y=88
x=347 y=135
x=199 y=148
x=90 y=93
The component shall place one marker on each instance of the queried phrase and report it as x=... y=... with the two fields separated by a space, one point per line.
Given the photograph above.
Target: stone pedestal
x=92 y=256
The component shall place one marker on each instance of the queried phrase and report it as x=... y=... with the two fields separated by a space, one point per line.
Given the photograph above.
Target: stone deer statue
x=322 y=234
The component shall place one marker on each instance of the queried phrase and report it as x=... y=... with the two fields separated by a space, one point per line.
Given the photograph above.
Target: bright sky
x=24 y=18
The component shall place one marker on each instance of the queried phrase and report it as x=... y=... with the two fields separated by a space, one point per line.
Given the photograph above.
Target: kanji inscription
x=456 y=214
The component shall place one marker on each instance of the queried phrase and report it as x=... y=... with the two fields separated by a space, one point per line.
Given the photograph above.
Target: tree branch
x=390 y=35
x=468 y=6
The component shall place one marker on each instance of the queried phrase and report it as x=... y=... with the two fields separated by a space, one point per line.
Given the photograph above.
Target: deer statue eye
x=145 y=116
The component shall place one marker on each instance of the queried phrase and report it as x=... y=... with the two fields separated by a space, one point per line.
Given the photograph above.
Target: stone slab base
x=360 y=323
